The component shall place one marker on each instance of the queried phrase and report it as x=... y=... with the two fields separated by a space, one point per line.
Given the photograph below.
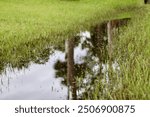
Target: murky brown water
x=91 y=53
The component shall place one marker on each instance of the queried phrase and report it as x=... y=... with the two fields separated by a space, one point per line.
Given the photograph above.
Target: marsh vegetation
x=33 y=33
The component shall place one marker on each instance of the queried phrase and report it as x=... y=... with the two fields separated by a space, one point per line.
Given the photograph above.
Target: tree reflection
x=91 y=70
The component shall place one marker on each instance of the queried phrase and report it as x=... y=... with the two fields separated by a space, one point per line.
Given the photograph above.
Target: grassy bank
x=132 y=53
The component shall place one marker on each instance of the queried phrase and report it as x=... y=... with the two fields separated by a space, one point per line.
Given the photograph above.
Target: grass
x=132 y=53
x=29 y=27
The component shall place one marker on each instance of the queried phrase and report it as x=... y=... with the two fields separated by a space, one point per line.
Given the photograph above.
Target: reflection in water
x=36 y=82
x=70 y=73
x=98 y=63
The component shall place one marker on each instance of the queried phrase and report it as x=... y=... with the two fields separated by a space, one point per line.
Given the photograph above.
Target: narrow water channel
x=91 y=53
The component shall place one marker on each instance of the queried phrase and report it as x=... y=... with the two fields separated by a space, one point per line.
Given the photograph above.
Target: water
x=38 y=81
x=49 y=80
x=35 y=82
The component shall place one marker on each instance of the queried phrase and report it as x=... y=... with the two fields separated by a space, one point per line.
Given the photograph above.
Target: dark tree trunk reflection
x=71 y=82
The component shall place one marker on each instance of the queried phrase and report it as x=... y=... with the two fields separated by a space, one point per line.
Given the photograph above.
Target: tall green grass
x=132 y=53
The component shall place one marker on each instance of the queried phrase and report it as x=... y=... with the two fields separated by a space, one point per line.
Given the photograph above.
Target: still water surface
x=36 y=82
